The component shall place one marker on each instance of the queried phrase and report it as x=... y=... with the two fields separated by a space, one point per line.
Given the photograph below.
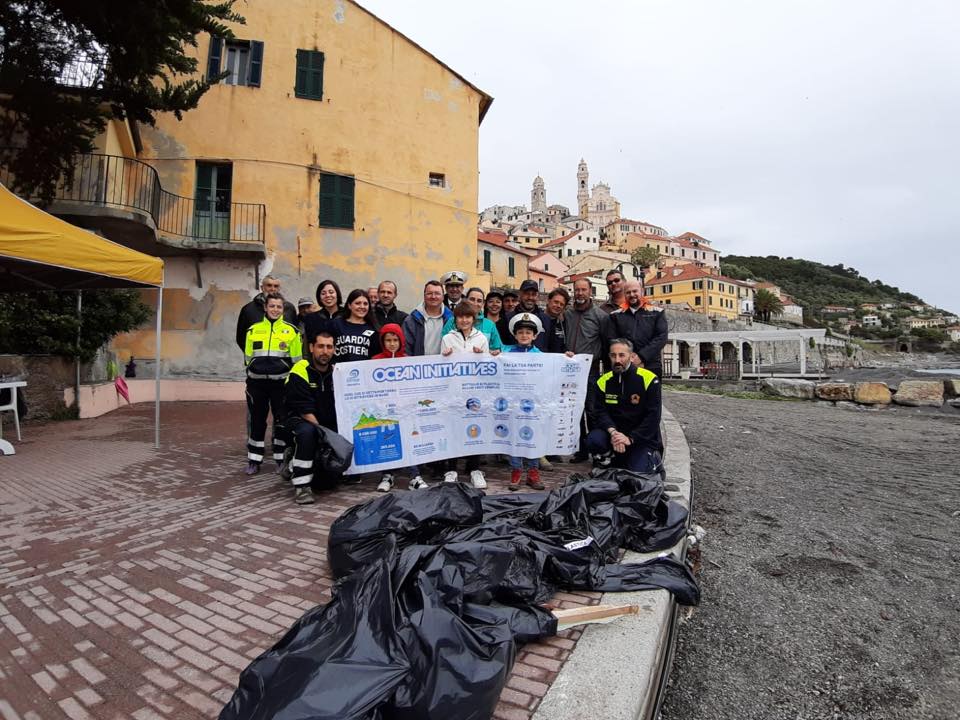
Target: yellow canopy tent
x=41 y=252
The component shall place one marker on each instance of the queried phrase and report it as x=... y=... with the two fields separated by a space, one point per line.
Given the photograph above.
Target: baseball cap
x=304 y=301
x=529 y=285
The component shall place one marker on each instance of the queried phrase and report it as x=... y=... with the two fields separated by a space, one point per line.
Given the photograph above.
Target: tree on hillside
x=645 y=256
x=67 y=67
x=766 y=304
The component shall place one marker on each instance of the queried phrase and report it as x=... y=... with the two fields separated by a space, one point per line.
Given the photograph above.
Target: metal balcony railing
x=114 y=181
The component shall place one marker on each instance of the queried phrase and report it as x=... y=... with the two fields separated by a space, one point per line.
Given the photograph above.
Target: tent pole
x=76 y=360
x=156 y=402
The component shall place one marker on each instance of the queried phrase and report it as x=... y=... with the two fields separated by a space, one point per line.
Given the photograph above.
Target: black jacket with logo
x=630 y=402
x=307 y=390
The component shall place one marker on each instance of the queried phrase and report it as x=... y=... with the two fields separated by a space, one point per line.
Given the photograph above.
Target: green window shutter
x=309 y=81
x=511 y=267
x=316 y=76
x=336 y=201
x=346 y=202
x=486 y=261
x=303 y=71
x=328 y=199
x=256 y=63
x=214 y=61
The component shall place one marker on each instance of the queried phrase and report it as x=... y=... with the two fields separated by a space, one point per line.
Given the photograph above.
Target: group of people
x=290 y=352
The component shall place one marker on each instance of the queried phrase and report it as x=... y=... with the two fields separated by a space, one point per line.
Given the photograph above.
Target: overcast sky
x=821 y=129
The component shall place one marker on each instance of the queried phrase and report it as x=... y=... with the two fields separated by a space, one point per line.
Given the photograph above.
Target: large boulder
x=835 y=391
x=871 y=393
x=785 y=387
x=920 y=393
x=951 y=388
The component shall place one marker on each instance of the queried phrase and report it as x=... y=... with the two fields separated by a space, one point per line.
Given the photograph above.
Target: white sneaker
x=476 y=477
x=418 y=483
x=450 y=476
x=386 y=483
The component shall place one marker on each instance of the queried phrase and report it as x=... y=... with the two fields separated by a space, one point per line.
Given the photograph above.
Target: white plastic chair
x=12 y=406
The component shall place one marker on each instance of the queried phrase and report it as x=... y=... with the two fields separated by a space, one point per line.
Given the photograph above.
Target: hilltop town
x=683 y=272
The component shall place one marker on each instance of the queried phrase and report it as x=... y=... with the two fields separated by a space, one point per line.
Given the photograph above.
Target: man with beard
x=614 y=292
x=643 y=325
x=529 y=294
x=625 y=414
x=586 y=332
x=309 y=402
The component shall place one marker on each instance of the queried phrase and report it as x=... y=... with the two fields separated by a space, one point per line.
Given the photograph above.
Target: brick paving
x=137 y=583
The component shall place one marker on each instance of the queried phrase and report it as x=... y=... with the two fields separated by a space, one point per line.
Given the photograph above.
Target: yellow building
x=500 y=264
x=713 y=295
x=336 y=147
x=616 y=232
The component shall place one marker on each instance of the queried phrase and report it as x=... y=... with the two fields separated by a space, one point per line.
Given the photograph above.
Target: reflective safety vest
x=271 y=349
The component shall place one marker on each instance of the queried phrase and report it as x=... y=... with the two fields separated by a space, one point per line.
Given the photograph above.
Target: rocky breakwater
x=910 y=393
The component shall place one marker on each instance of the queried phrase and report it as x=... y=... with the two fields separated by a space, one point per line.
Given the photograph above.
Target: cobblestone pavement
x=137 y=583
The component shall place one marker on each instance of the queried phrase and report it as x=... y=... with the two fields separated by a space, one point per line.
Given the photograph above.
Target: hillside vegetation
x=813 y=284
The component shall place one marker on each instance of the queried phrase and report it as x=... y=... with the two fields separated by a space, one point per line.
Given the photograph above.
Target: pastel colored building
x=335 y=147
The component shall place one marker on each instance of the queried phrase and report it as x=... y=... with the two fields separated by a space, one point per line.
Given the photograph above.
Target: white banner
x=416 y=410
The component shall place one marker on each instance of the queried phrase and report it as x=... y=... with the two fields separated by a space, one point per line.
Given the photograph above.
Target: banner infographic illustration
x=416 y=410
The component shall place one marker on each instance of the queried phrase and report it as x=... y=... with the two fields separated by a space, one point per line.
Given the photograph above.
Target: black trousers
x=263 y=398
x=303 y=468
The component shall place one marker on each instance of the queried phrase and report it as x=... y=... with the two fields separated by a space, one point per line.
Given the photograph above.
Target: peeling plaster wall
x=390 y=116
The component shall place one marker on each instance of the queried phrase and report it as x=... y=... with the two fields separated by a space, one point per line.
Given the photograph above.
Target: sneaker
x=303 y=495
x=252 y=468
x=477 y=479
x=533 y=479
x=386 y=483
x=515 y=479
x=450 y=476
x=418 y=483
x=286 y=472
x=545 y=464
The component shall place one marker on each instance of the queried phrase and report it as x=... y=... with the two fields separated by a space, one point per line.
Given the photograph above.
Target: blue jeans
x=636 y=457
x=516 y=463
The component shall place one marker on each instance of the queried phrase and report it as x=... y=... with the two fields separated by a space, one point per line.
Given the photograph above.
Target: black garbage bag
x=437 y=588
x=334 y=451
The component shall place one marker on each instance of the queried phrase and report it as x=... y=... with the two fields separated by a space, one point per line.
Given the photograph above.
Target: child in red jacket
x=393 y=344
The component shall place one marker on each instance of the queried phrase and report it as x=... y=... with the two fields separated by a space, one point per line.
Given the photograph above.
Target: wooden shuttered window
x=309 y=80
x=256 y=63
x=215 y=59
x=336 y=200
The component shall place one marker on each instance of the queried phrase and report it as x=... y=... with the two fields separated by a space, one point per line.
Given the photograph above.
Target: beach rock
x=951 y=388
x=785 y=387
x=871 y=393
x=954 y=403
x=835 y=391
x=920 y=393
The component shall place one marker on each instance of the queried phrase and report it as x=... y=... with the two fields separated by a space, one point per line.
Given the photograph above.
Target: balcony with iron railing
x=128 y=184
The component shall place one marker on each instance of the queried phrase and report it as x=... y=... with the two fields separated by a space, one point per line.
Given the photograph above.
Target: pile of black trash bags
x=435 y=590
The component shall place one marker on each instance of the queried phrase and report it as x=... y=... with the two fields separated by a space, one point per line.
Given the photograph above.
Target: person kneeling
x=309 y=403
x=624 y=406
